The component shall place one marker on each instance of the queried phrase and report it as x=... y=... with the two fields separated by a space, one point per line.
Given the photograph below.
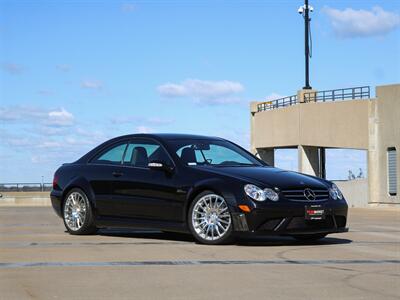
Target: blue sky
x=74 y=73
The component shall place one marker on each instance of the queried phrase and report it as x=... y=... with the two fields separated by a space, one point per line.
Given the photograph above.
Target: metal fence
x=362 y=92
x=281 y=102
x=25 y=187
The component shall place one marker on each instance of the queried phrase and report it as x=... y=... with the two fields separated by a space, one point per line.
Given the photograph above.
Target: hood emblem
x=309 y=194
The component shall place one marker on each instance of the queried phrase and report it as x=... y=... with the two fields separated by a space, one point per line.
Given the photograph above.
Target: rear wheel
x=310 y=237
x=210 y=220
x=77 y=213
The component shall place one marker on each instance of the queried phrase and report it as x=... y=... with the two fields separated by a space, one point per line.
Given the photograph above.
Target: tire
x=310 y=237
x=210 y=220
x=77 y=213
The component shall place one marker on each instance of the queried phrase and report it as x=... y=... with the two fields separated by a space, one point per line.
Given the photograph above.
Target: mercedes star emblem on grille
x=309 y=194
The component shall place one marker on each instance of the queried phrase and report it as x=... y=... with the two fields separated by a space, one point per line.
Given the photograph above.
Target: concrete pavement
x=38 y=260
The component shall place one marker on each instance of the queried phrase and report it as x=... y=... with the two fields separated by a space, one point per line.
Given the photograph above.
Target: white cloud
x=12 y=68
x=153 y=121
x=49 y=144
x=92 y=84
x=20 y=113
x=349 y=23
x=203 y=91
x=144 y=129
x=60 y=118
x=26 y=114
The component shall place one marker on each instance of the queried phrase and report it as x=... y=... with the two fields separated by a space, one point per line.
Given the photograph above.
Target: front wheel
x=77 y=213
x=210 y=220
x=310 y=237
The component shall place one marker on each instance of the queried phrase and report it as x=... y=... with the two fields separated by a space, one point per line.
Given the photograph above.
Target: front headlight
x=335 y=193
x=258 y=194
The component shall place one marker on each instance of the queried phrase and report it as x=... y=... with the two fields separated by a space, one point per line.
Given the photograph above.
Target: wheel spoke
x=223 y=221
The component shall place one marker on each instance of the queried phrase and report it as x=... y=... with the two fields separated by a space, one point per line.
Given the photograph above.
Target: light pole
x=304 y=11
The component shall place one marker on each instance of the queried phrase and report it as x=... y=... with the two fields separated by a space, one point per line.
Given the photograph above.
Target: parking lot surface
x=39 y=260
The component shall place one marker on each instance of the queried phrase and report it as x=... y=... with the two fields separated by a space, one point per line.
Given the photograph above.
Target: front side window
x=112 y=155
x=140 y=153
x=215 y=153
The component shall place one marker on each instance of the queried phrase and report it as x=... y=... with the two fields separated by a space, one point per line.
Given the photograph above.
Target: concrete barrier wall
x=25 y=199
x=355 y=192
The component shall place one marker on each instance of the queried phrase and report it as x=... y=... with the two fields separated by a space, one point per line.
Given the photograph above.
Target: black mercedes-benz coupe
x=207 y=186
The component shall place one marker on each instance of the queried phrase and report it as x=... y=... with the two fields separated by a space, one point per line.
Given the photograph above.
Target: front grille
x=298 y=195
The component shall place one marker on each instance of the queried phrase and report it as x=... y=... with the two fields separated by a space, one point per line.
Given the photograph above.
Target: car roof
x=172 y=136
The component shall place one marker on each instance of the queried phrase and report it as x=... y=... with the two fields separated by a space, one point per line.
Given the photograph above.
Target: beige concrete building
x=313 y=121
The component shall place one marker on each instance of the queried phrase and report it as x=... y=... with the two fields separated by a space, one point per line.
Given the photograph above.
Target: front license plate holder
x=315 y=212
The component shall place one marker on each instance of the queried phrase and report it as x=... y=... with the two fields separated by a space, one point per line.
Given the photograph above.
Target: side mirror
x=159 y=165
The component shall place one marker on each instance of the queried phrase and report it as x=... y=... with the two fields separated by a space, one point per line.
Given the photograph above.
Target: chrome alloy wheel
x=75 y=211
x=210 y=217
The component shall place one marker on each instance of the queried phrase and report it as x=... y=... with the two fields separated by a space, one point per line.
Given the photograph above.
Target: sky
x=76 y=73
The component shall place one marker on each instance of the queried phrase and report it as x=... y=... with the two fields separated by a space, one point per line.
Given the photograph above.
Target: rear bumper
x=289 y=219
x=56 y=197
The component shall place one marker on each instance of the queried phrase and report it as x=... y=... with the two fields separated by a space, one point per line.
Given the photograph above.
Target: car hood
x=273 y=177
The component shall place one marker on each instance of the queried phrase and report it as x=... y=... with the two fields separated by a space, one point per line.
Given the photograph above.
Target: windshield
x=212 y=152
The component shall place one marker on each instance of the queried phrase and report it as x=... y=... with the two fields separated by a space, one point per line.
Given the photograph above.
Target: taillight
x=55 y=181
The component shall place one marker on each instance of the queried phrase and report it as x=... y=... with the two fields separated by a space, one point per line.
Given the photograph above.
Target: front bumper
x=288 y=218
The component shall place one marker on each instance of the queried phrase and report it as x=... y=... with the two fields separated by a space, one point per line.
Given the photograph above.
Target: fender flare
x=83 y=184
x=216 y=185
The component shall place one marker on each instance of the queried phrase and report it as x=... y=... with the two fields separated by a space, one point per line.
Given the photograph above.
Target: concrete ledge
x=25 y=199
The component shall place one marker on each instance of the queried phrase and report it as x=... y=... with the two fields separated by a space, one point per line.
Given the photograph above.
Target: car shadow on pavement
x=288 y=241
x=249 y=242
x=147 y=234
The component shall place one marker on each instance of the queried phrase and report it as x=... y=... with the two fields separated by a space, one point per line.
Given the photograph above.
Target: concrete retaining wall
x=25 y=199
x=355 y=192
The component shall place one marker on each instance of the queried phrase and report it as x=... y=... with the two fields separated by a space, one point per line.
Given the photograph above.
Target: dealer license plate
x=314 y=212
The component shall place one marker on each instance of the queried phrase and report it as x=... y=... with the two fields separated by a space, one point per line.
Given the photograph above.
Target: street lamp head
x=302 y=9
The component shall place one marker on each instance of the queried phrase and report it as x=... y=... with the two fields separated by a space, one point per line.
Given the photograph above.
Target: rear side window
x=112 y=155
x=149 y=148
x=139 y=153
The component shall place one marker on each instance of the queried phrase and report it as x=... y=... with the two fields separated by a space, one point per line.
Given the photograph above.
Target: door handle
x=117 y=174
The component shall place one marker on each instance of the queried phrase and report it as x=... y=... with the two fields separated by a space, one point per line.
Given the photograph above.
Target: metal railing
x=277 y=103
x=362 y=92
x=25 y=187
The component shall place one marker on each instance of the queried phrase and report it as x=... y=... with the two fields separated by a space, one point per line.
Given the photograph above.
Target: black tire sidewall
x=89 y=225
x=227 y=238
